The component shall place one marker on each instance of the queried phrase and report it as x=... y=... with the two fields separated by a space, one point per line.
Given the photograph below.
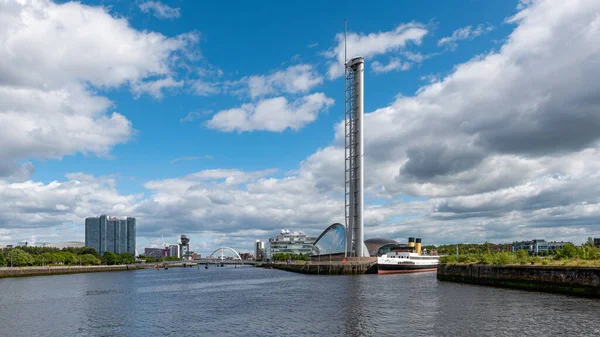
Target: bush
x=504 y=258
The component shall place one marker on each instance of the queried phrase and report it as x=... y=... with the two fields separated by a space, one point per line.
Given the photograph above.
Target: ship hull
x=404 y=269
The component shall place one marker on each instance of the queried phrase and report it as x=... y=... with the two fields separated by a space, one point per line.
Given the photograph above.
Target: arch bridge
x=225 y=253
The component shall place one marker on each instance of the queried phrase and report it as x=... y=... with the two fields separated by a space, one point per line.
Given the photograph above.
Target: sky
x=222 y=120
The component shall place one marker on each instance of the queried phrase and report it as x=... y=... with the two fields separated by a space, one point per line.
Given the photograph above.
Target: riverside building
x=259 y=249
x=174 y=251
x=290 y=242
x=110 y=234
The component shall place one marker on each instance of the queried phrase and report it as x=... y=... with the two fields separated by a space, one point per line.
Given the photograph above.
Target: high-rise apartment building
x=110 y=234
x=259 y=249
x=174 y=251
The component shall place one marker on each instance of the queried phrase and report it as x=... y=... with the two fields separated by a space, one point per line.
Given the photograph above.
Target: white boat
x=406 y=262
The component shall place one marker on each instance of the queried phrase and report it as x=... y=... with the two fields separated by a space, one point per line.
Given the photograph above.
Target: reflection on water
x=252 y=301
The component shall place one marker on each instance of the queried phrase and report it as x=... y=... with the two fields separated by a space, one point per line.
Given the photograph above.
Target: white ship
x=407 y=260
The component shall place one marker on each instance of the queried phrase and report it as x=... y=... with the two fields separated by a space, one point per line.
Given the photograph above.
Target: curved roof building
x=380 y=246
x=332 y=241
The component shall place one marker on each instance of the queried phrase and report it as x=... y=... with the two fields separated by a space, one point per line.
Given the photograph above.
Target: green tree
x=109 y=258
x=18 y=257
x=569 y=251
x=2 y=260
x=590 y=242
x=88 y=250
x=89 y=259
x=126 y=258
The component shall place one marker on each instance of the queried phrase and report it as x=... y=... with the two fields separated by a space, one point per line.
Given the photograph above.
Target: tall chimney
x=418 y=248
x=411 y=242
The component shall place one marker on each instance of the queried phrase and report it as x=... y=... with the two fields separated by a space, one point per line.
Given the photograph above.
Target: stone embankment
x=38 y=271
x=580 y=281
x=326 y=268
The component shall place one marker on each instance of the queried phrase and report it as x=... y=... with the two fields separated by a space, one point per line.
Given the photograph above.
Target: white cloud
x=272 y=114
x=189 y=158
x=394 y=64
x=54 y=59
x=160 y=10
x=155 y=88
x=294 y=79
x=373 y=44
x=202 y=87
x=465 y=33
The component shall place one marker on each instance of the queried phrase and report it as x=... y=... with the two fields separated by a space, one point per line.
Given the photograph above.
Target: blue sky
x=218 y=119
x=258 y=39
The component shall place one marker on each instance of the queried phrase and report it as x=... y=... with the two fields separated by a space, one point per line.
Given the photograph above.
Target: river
x=261 y=302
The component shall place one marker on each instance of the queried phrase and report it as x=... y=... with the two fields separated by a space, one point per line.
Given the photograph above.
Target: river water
x=259 y=302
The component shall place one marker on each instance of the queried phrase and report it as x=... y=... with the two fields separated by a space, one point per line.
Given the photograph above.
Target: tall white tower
x=354 y=163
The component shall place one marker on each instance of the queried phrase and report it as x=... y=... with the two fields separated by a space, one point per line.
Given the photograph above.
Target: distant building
x=538 y=246
x=66 y=244
x=174 y=251
x=259 y=249
x=110 y=234
x=184 y=248
x=290 y=242
x=556 y=245
x=532 y=247
x=246 y=256
x=153 y=252
x=597 y=242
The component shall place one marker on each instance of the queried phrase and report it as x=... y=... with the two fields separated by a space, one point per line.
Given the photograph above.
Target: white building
x=290 y=242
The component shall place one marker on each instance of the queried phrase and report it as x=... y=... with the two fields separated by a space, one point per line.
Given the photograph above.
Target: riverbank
x=327 y=268
x=58 y=270
x=569 y=280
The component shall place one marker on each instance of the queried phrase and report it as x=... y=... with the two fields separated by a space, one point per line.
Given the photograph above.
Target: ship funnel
x=411 y=242
x=418 y=247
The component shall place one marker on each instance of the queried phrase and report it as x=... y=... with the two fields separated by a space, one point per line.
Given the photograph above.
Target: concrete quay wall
x=326 y=268
x=39 y=271
x=579 y=281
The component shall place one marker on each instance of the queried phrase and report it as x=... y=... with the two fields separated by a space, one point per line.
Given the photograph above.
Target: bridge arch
x=219 y=253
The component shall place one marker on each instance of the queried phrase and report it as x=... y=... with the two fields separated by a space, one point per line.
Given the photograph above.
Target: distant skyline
x=222 y=120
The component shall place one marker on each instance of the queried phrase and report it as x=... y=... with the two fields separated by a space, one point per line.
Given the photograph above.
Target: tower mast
x=354 y=156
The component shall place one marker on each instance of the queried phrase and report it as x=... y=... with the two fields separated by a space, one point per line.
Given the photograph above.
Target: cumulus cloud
x=160 y=10
x=373 y=44
x=54 y=58
x=394 y=64
x=272 y=114
x=294 y=79
x=465 y=33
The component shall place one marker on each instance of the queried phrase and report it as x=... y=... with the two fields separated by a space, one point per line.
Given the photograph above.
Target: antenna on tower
x=345 y=49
